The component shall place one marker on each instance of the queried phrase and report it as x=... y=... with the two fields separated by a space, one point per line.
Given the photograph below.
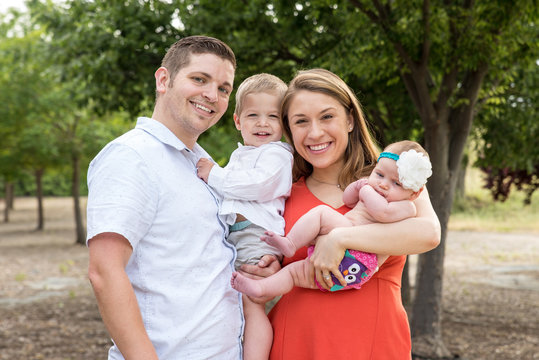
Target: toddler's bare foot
x=282 y=243
x=245 y=285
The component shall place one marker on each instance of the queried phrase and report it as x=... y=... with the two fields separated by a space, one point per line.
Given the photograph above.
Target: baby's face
x=385 y=180
x=260 y=119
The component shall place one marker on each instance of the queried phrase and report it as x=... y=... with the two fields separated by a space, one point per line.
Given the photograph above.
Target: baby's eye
x=398 y=184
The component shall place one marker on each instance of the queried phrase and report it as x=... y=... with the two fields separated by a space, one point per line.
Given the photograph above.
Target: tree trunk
x=39 y=194
x=460 y=190
x=80 y=231
x=406 y=290
x=9 y=195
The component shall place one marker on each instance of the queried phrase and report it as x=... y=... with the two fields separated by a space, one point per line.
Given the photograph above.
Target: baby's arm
x=351 y=193
x=384 y=211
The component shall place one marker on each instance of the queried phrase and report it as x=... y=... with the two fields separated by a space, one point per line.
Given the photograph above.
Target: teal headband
x=388 y=155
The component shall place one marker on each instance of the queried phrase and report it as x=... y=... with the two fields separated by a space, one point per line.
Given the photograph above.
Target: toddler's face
x=385 y=180
x=260 y=119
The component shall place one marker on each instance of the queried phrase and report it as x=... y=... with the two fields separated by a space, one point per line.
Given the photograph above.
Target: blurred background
x=459 y=77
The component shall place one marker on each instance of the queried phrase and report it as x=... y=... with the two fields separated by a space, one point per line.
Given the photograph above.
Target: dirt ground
x=47 y=310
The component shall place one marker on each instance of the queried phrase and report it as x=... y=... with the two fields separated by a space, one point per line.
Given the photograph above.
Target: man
x=159 y=263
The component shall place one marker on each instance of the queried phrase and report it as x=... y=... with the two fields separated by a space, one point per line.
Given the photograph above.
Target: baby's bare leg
x=294 y=274
x=317 y=221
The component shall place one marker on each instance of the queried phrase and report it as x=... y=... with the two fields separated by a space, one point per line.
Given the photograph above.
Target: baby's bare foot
x=282 y=243
x=245 y=285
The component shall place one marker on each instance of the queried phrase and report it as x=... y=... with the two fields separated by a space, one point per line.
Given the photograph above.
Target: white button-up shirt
x=144 y=186
x=255 y=183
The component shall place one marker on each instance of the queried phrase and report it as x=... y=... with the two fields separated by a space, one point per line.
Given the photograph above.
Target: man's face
x=197 y=97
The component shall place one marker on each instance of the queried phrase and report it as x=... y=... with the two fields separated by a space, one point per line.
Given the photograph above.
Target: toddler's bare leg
x=258 y=335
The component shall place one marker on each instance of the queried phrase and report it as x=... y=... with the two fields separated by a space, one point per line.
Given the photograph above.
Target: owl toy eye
x=354 y=269
x=350 y=278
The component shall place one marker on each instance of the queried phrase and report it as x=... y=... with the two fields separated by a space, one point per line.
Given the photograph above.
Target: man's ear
x=161 y=80
x=416 y=194
x=237 y=121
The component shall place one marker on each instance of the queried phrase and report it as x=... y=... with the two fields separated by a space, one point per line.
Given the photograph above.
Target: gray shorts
x=249 y=246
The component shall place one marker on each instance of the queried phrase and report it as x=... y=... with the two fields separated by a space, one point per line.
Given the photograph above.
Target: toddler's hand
x=203 y=168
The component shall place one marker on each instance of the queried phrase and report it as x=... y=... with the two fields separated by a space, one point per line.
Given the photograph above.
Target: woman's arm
x=411 y=236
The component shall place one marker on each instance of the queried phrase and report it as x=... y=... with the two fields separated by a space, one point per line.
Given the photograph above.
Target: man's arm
x=382 y=210
x=109 y=254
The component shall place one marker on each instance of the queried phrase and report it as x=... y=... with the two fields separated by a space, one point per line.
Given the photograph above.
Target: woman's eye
x=327 y=116
x=198 y=79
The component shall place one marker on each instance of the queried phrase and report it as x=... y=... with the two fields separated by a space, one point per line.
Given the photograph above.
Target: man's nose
x=210 y=92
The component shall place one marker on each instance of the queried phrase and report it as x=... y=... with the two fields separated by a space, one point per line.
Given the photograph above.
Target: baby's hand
x=203 y=168
x=362 y=182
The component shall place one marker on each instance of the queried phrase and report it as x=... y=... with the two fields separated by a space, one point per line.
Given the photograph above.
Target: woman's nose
x=316 y=130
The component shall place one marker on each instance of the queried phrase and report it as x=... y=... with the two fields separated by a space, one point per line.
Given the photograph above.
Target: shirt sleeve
x=270 y=178
x=122 y=197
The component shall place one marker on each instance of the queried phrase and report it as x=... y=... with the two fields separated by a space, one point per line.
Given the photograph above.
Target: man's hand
x=203 y=168
x=268 y=265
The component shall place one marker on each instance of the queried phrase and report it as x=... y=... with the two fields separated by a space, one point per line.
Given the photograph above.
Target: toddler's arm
x=384 y=211
x=204 y=167
x=350 y=195
x=269 y=178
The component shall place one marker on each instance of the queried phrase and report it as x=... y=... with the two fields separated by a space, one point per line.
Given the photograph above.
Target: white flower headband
x=414 y=168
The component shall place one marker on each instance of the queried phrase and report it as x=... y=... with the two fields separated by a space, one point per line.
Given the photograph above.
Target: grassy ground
x=477 y=211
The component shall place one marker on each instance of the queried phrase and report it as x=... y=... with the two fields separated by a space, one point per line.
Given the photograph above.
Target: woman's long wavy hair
x=361 y=153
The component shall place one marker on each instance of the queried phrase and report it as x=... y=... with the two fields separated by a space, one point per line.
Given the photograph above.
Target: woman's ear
x=350 y=121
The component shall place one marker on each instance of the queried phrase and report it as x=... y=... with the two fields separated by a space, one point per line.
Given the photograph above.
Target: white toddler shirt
x=255 y=183
x=144 y=186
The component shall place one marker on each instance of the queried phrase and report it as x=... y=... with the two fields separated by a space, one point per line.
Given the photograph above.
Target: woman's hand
x=328 y=254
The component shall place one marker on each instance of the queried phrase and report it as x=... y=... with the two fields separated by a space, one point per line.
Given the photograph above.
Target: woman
x=323 y=120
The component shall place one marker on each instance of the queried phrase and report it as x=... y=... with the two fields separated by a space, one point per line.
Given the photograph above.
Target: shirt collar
x=163 y=134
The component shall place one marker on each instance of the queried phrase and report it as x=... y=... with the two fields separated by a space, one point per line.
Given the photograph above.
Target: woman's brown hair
x=361 y=153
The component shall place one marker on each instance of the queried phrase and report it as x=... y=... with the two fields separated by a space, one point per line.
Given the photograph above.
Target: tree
x=508 y=125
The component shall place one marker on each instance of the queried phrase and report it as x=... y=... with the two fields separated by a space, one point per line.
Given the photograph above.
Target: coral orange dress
x=369 y=323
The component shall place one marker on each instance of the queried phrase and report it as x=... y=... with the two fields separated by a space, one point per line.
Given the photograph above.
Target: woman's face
x=319 y=125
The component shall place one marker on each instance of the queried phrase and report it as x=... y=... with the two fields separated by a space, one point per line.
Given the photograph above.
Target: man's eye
x=224 y=90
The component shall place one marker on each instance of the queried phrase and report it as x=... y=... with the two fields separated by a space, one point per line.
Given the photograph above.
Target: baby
x=385 y=196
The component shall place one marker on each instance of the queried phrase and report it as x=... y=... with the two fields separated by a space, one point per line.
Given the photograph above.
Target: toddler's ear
x=416 y=194
x=237 y=121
